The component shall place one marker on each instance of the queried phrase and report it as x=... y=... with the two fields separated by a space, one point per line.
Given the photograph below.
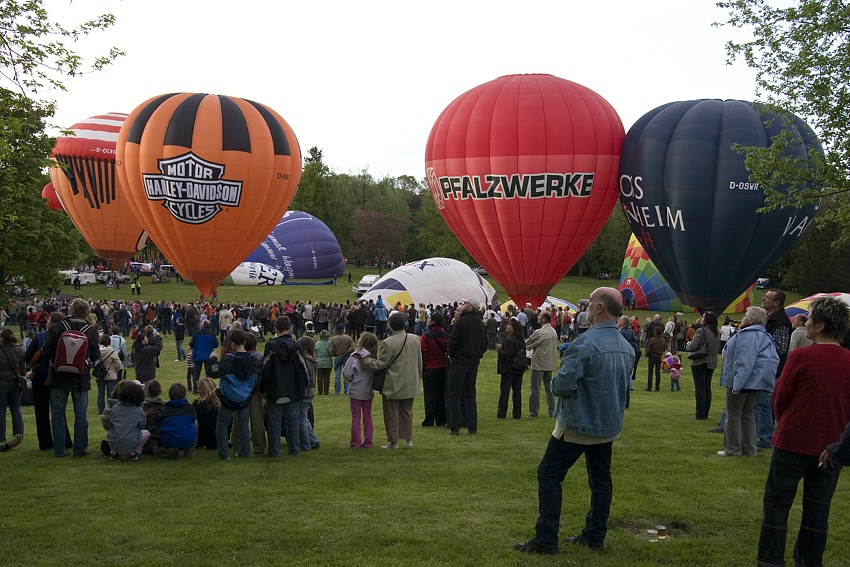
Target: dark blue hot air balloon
x=302 y=247
x=687 y=196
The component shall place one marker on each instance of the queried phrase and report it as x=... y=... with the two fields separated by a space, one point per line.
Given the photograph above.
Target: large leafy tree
x=800 y=52
x=34 y=51
x=34 y=55
x=434 y=235
x=379 y=237
x=606 y=252
x=34 y=241
x=813 y=267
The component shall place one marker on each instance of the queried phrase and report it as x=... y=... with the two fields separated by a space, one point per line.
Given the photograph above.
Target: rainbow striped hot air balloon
x=802 y=306
x=641 y=280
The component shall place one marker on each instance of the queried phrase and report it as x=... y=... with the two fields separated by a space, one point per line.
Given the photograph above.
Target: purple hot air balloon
x=302 y=247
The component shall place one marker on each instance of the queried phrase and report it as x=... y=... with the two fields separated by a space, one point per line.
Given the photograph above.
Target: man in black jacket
x=779 y=327
x=64 y=383
x=284 y=385
x=467 y=344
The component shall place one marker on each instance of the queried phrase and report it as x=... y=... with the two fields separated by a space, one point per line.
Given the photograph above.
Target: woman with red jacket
x=811 y=403
x=434 y=344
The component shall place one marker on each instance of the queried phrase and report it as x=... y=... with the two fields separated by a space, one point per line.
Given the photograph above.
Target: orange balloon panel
x=209 y=177
x=88 y=189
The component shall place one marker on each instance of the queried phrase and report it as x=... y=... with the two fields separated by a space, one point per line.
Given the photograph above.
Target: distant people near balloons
x=85 y=183
x=200 y=168
x=686 y=194
x=525 y=147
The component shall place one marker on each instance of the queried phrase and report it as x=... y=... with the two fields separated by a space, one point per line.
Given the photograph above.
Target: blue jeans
x=339 y=363
x=10 y=397
x=721 y=425
x=674 y=385
x=58 y=405
x=702 y=389
x=559 y=458
x=786 y=470
x=538 y=376
x=104 y=390
x=292 y=413
x=306 y=435
x=221 y=439
x=764 y=419
x=181 y=354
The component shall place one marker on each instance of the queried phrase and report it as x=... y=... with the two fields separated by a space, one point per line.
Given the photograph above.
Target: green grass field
x=448 y=501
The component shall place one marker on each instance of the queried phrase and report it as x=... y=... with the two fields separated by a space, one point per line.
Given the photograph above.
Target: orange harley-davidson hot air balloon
x=90 y=192
x=524 y=171
x=209 y=177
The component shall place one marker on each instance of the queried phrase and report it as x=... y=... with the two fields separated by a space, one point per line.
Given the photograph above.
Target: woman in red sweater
x=811 y=404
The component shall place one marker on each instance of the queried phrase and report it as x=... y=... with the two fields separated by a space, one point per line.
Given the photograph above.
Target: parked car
x=106 y=274
x=365 y=283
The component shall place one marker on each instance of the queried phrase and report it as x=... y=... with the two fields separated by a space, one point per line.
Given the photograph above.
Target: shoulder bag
x=381 y=375
x=20 y=380
x=521 y=362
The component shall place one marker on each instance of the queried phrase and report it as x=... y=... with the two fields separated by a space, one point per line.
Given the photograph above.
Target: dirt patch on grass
x=640 y=525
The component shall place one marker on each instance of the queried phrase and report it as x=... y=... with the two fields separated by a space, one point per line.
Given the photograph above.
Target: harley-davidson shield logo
x=192 y=189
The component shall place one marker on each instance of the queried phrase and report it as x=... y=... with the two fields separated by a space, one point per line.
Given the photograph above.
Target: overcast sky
x=365 y=81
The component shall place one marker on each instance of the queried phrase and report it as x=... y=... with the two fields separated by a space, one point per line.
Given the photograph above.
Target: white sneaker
x=408 y=443
x=390 y=446
x=722 y=454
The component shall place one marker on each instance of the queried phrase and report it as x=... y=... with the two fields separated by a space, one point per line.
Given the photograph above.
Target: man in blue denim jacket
x=591 y=386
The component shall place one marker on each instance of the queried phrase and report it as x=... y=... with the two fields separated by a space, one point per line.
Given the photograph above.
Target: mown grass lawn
x=448 y=501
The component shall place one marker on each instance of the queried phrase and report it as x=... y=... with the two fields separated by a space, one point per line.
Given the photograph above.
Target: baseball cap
x=474 y=302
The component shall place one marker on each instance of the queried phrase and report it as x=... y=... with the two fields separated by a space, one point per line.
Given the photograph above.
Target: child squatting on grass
x=127 y=433
x=176 y=424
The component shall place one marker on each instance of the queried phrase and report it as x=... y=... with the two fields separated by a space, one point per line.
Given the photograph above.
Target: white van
x=365 y=283
x=86 y=278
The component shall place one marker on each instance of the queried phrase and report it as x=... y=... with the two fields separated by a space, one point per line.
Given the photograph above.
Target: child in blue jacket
x=176 y=424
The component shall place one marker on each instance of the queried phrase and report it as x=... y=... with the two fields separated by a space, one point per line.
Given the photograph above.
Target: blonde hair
x=206 y=391
x=368 y=341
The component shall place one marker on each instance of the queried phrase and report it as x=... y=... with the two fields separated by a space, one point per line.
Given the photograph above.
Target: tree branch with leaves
x=801 y=56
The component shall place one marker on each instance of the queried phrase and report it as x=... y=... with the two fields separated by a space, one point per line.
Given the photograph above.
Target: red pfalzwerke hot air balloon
x=90 y=192
x=209 y=177
x=524 y=171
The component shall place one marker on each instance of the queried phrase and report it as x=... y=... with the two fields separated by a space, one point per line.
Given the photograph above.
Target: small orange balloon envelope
x=209 y=177
x=89 y=191
x=53 y=202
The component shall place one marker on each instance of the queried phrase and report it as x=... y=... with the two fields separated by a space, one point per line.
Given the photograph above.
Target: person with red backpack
x=71 y=346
